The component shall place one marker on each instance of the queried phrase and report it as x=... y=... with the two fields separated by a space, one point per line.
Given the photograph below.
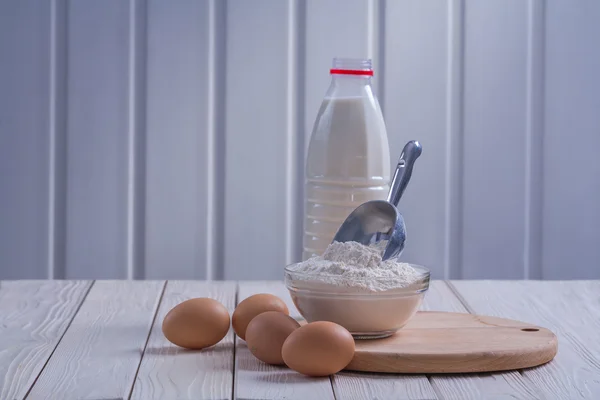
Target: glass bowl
x=366 y=314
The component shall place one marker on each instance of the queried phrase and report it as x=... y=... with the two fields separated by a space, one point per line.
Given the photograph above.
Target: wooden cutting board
x=441 y=342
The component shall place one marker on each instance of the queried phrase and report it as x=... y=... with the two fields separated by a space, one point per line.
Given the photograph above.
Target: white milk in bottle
x=348 y=160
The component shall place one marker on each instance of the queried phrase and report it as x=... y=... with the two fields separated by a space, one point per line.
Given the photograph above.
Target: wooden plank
x=97 y=138
x=255 y=138
x=495 y=71
x=440 y=298
x=460 y=386
x=177 y=101
x=346 y=384
x=569 y=309
x=99 y=354
x=589 y=293
x=170 y=372
x=361 y=385
x=364 y=385
x=417 y=104
x=257 y=380
x=435 y=342
x=33 y=317
x=572 y=126
x=24 y=138
x=472 y=386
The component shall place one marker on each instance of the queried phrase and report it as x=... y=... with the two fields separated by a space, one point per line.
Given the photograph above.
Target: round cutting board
x=441 y=342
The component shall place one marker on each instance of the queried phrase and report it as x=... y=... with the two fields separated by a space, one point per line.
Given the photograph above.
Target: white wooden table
x=103 y=340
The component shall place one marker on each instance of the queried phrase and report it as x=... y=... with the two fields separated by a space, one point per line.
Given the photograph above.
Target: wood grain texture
x=171 y=372
x=442 y=342
x=495 y=385
x=440 y=298
x=351 y=385
x=177 y=106
x=510 y=384
x=99 y=354
x=570 y=309
x=24 y=138
x=33 y=317
x=572 y=126
x=365 y=385
x=360 y=385
x=257 y=380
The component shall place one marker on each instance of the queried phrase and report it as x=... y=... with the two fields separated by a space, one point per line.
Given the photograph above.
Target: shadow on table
x=285 y=375
x=172 y=350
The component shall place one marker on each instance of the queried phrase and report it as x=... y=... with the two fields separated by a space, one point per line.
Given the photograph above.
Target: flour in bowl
x=354 y=265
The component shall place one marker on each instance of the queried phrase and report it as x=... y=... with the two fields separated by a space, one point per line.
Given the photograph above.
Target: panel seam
x=376 y=44
x=534 y=129
x=215 y=147
x=233 y=382
x=136 y=138
x=436 y=390
x=83 y=298
x=291 y=133
x=331 y=382
x=465 y=304
x=453 y=207
x=57 y=142
x=154 y=317
x=460 y=298
x=210 y=145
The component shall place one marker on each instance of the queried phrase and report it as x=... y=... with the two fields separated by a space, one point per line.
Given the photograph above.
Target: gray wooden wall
x=166 y=139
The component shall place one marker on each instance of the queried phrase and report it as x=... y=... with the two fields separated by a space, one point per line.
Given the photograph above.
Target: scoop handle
x=412 y=150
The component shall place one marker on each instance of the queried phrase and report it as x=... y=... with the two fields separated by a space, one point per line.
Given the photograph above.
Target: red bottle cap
x=363 y=72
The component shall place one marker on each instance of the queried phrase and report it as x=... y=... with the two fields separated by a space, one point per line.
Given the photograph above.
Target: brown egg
x=318 y=349
x=251 y=307
x=196 y=323
x=267 y=332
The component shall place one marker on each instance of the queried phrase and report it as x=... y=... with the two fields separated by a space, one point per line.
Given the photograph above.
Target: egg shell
x=318 y=349
x=251 y=307
x=267 y=332
x=196 y=323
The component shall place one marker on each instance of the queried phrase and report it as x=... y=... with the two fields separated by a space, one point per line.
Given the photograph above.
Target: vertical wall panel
x=571 y=234
x=24 y=138
x=200 y=174
x=177 y=145
x=494 y=139
x=418 y=59
x=295 y=132
x=328 y=36
x=255 y=143
x=97 y=181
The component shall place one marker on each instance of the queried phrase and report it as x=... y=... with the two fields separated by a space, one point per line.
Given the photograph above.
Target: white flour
x=356 y=266
x=324 y=287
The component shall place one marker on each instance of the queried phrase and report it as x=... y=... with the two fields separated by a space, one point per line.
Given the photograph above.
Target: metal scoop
x=378 y=220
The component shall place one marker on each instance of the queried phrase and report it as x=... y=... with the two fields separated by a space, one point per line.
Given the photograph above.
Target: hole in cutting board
x=530 y=329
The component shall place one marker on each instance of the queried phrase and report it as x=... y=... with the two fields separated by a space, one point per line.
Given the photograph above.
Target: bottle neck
x=351 y=74
x=351 y=80
x=350 y=86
